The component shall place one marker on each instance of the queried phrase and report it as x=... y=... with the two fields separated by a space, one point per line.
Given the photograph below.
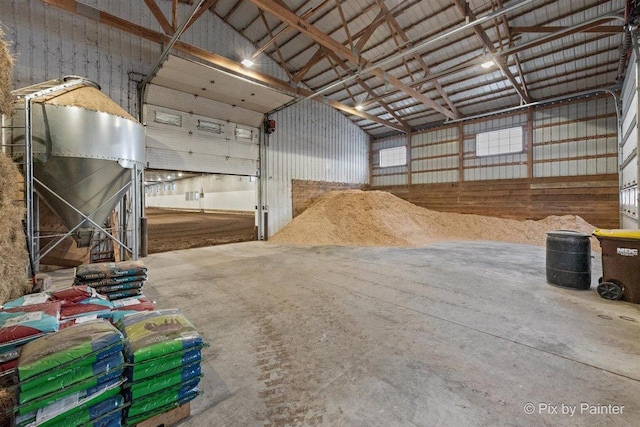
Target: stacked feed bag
x=72 y=377
x=163 y=354
x=24 y=320
x=130 y=305
x=115 y=280
x=81 y=303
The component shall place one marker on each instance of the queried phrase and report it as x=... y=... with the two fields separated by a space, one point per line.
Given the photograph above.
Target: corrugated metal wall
x=629 y=162
x=571 y=139
x=48 y=43
x=576 y=139
x=435 y=156
x=313 y=141
x=504 y=166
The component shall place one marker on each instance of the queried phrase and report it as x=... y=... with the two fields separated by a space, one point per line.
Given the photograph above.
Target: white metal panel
x=188 y=148
x=312 y=141
x=182 y=101
x=202 y=81
x=49 y=43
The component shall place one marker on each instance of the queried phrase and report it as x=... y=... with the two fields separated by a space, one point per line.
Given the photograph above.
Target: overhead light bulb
x=247 y=62
x=359 y=107
x=488 y=64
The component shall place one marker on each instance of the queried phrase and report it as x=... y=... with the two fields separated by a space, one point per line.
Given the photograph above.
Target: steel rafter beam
x=288 y=17
x=104 y=18
x=607 y=29
x=466 y=11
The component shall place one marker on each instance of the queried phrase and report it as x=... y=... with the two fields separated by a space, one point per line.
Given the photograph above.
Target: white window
x=209 y=126
x=501 y=141
x=396 y=156
x=244 y=134
x=168 y=118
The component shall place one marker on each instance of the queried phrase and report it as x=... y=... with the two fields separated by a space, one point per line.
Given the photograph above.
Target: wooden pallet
x=168 y=418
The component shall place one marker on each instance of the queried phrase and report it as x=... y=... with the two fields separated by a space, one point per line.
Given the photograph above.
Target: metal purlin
x=28 y=94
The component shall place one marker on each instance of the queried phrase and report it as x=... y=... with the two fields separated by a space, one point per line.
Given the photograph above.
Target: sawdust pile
x=90 y=98
x=6 y=75
x=13 y=279
x=378 y=218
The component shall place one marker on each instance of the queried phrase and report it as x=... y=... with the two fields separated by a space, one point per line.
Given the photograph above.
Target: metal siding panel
x=312 y=142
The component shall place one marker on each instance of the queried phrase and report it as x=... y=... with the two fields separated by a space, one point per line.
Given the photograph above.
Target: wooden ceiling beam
x=466 y=11
x=345 y=25
x=516 y=58
x=283 y=64
x=317 y=57
x=370 y=91
x=393 y=22
x=162 y=20
x=104 y=18
x=209 y=5
x=286 y=29
x=174 y=14
x=288 y=17
x=232 y=10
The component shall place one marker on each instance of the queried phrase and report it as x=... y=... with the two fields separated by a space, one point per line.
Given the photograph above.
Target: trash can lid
x=568 y=233
x=617 y=233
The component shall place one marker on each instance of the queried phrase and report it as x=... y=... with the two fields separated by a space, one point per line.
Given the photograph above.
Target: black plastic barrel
x=569 y=259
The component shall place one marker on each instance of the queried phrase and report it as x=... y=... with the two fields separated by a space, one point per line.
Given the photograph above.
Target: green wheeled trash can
x=620 y=264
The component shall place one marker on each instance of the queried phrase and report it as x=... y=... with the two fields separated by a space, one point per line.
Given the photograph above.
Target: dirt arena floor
x=171 y=230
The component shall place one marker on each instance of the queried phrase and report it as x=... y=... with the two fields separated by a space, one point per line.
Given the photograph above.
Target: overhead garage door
x=200 y=119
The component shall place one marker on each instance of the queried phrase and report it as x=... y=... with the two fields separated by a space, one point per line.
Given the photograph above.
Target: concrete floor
x=460 y=333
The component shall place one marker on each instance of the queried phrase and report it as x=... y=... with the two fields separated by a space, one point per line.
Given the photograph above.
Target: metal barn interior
x=253 y=109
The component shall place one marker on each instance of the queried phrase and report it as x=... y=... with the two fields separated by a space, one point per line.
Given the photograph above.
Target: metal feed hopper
x=83 y=147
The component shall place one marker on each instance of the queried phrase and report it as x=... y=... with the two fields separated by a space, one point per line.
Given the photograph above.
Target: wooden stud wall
x=594 y=198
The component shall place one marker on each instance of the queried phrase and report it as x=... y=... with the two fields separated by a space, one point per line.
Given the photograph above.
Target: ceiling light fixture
x=359 y=107
x=247 y=63
x=488 y=64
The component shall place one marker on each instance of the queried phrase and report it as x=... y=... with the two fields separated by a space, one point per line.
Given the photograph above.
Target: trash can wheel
x=610 y=290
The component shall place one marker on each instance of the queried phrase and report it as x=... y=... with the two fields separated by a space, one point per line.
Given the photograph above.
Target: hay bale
x=6 y=73
x=13 y=264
